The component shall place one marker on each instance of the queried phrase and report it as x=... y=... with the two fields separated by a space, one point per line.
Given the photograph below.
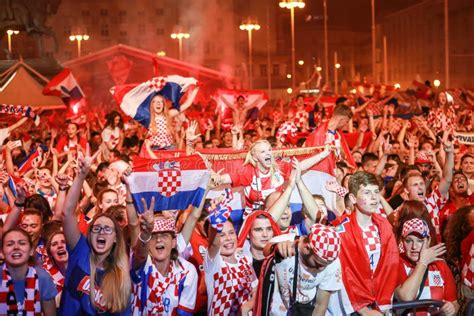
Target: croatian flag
x=175 y=183
x=65 y=86
x=135 y=100
x=33 y=160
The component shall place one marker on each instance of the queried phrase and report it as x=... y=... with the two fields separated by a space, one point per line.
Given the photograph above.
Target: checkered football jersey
x=161 y=138
x=371 y=239
x=165 y=295
x=257 y=185
x=439 y=284
x=439 y=121
x=301 y=119
x=228 y=285
x=434 y=203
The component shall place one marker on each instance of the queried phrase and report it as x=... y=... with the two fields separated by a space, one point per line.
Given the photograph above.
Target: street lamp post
x=10 y=33
x=336 y=67
x=250 y=26
x=180 y=36
x=79 y=38
x=374 y=71
x=291 y=5
x=446 y=44
x=326 y=49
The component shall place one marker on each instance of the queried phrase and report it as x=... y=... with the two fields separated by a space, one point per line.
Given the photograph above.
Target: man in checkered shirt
x=415 y=188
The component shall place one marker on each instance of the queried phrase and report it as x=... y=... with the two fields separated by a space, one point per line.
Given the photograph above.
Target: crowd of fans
x=400 y=228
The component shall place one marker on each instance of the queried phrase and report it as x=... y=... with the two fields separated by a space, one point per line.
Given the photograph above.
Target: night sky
x=354 y=14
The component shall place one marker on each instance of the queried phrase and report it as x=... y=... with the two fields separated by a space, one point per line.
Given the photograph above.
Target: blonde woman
x=97 y=276
x=262 y=175
x=160 y=131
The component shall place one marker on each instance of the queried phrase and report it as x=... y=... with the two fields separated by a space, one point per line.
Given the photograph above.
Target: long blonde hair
x=116 y=284
x=169 y=125
x=250 y=159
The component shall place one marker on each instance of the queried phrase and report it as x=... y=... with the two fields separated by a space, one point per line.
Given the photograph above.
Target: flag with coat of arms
x=175 y=183
x=135 y=99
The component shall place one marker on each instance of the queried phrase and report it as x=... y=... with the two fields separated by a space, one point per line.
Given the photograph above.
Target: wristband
x=143 y=241
x=20 y=204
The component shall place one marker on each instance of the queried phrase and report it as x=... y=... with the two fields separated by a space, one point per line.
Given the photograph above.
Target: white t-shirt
x=180 y=292
x=330 y=279
x=4 y=133
x=229 y=285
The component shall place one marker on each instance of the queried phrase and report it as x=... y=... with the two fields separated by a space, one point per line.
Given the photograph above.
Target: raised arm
x=447 y=178
x=140 y=251
x=71 y=227
x=277 y=209
x=12 y=218
x=311 y=161
x=306 y=195
x=189 y=101
x=22 y=121
x=62 y=181
x=192 y=219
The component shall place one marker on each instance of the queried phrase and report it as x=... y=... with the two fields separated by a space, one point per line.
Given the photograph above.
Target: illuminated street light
x=288 y=76
x=336 y=67
x=180 y=36
x=436 y=83
x=79 y=38
x=10 y=33
x=301 y=62
x=319 y=68
x=250 y=26
x=397 y=86
x=289 y=91
x=291 y=5
x=161 y=53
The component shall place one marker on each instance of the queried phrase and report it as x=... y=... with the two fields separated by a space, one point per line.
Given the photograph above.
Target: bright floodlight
x=397 y=86
x=338 y=65
x=301 y=62
x=436 y=83
x=289 y=91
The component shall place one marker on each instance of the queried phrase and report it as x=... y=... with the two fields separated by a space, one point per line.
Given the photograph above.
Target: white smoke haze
x=213 y=27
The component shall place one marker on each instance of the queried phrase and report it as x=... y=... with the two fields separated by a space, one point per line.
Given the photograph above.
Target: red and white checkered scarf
x=156 y=289
x=8 y=304
x=55 y=273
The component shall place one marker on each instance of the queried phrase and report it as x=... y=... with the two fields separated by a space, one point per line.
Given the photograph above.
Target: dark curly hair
x=458 y=229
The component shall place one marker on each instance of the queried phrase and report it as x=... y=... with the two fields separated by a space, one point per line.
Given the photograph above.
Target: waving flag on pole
x=135 y=100
x=175 y=183
x=65 y=86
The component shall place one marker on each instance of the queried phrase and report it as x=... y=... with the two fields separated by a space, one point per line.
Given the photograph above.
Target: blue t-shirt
x=73 y=300
x=47 y=289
